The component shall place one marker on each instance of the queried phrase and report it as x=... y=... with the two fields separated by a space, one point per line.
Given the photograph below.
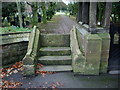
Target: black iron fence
x=114 y=56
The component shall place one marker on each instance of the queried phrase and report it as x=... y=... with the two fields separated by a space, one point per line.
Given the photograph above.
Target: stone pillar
x=104 y=52
x=106 y=21
x=92 y=16
x=79 y=16
x=85 y=12
x=92 y=54
x=29 y=61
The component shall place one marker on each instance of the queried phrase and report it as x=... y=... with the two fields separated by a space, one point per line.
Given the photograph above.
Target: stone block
x=78 y=64
x=105 y=45
x=93 y=45
x=93 y=57
x=81 y=33
x=103 y=66
x=56 y=51
x=28 y=70
x=104 y=55
x=91 y=69
x=55 y=40
x=92 y=63
x=28 y=60
x=104 y=52
x=78 y=60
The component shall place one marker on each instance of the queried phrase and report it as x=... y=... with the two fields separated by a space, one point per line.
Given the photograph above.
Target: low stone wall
x=78 y=60
x=55 y=40
x=14 y=52
x=14 y=37
x=13 y=47
x=95 y=49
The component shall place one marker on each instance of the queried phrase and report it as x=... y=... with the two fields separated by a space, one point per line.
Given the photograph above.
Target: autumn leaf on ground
x=40 y=65
x=55 y=85
x=8 y=84
x=18 y=66
x=43 y=73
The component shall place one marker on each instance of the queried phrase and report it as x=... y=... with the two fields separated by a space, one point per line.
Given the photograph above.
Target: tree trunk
x=99 y=13
x=108 y=9
x=85 y=12
x=79 y=16
x=35 y=14
x=118 y=19
x=44 y=13
x=19 y=12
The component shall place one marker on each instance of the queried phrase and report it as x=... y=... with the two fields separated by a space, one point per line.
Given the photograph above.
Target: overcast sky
x=66 y=1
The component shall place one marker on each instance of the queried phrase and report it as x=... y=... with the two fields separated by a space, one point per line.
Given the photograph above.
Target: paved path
x=62 y=24
x=65 y=80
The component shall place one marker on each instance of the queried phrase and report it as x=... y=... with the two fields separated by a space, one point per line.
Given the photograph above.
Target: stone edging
x=14 y=37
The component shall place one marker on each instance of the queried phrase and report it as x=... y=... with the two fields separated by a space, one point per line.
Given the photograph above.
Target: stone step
x=56 y=68
x=117 y=72
x=56 y=51
x=55 y=60
x=55 y=40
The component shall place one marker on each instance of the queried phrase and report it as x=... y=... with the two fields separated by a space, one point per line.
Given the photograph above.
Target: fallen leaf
x=18 y=66
x=8 y=84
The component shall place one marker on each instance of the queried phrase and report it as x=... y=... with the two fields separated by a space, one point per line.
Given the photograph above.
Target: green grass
x=13 y=29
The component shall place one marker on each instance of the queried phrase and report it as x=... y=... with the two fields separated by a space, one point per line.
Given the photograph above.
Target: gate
x=114 y=55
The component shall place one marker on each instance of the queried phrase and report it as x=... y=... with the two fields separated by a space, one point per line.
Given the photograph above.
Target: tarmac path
x=62 y=24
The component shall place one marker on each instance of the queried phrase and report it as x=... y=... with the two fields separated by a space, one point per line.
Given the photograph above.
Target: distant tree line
x=41 y=11
x=115 y=15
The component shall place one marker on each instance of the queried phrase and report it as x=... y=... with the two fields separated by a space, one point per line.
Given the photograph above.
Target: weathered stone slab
x=80 y=35
x=78 y=60
x=30 y=57
x=56 y=68
x=105 y=55
x=105 y=41
x=55 y=60
x=12 y=53
x=28 y=60
x=28 y=70
x=104 y=52
x=93 y=45
x=103 y=66
x=55 y=40
x=14 y=38
x=56 y=51
x=78 y=63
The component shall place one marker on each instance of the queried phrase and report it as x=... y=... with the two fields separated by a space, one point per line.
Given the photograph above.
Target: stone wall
x=13 y=47
x=95 y=49
x=14 y=52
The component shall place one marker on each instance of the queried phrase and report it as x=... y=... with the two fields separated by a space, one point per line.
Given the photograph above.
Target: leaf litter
x=17 y=67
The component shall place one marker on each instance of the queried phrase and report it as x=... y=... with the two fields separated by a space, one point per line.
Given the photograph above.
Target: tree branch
x=29 y=3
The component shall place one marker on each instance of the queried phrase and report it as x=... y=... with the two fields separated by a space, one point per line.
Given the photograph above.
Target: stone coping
x=13 y=33
x=54 y=34
x=10 y=38
x=97 y=29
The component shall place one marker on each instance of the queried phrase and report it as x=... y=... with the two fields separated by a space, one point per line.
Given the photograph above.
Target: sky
x=66 y=1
